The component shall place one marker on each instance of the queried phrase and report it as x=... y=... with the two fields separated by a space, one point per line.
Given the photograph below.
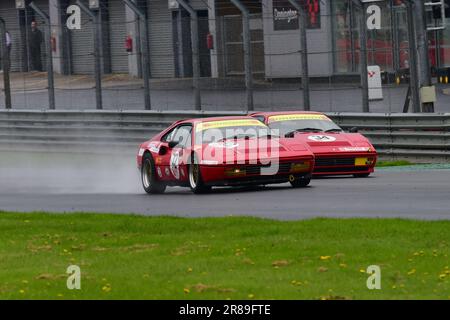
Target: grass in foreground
x=124 y=257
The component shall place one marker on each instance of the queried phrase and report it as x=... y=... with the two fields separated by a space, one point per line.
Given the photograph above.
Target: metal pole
x=247 y=52
x=363 y=56
x=6 y=61
x=304 y=50
x=139 y=48
x=414 y=74
x=145 y=51
x=50 y=76
x=95 y=16
x=422 y=45
x=27 y=42
x=146 y=65
x=195 y=53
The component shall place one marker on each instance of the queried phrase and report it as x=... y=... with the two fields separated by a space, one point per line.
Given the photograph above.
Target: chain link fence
x=333 y=31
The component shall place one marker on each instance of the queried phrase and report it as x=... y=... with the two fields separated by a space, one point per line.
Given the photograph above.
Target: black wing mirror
x=173 y=144
x=353 y=130
x=163 y=148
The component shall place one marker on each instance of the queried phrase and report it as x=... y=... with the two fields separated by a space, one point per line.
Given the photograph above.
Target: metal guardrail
x=416 y=137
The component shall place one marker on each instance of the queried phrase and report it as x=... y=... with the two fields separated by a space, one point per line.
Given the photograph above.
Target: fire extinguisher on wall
x=53 y=42
x=129 y=44
x=210 y=41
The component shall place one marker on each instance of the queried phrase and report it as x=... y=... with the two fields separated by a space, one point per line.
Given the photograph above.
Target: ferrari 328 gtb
x=222 y=151
x=336 y=152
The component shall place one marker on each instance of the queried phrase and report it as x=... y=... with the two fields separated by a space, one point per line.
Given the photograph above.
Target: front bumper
x=259 y=180
x=344 y=164
x=232 y=175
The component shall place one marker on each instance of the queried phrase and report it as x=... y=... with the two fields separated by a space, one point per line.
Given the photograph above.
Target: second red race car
x=336 y=152
x=225 y=151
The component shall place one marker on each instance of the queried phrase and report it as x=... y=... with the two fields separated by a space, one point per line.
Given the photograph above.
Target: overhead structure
x=145 y=50
x=50 y=76
x=5 y=64
x=304 y=52
x=247 y=52
x=92 y=11
x=363 y=53
x=195 y=53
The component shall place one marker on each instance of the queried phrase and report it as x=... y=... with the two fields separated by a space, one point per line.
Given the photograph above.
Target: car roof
x=278 y=113
x=210 y=119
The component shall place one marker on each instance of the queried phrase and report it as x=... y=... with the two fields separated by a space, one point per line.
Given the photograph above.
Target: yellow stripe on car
x=292 y=117
x=228 y=123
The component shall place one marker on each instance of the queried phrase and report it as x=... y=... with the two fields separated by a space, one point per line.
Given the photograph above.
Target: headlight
x=235 y=172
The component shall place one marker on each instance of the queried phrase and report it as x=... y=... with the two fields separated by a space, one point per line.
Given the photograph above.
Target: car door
x=175 y=159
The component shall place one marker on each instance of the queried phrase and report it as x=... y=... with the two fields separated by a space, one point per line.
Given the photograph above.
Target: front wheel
x=195 y=178
x=148 y=175
x=300 y=182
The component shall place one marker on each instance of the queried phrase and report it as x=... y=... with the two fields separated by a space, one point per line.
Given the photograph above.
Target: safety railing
x=420 y=138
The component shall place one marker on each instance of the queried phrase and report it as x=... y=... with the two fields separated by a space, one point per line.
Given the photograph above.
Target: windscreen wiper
x=334 y=130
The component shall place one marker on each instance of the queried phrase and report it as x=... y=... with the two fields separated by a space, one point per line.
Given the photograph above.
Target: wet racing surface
x=110 y=184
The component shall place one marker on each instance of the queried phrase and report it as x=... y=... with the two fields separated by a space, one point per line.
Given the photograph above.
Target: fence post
x=6 y=63
x=195 y=53
x=248 y=59
x=145 y=52
x=98 y=70
x=363 y=54
x=414 y=73
x=422 y=45
x=304 y=50
x=50 y=76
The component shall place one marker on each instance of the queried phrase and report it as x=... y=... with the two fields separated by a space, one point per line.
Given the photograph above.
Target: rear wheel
x=300 y=182
x=361 y=175
x=195 y=178
x=148 y=175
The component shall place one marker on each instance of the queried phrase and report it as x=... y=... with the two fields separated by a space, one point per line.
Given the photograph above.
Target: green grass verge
x=125 y=256
x=394 y=163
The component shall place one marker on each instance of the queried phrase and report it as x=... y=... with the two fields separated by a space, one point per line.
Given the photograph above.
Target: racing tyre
x=148 y=175
x=195 y=178
x=301 y=182
x=361 y=175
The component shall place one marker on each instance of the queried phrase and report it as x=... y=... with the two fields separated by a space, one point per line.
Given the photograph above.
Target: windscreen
x=289 y=124
x=225 y=130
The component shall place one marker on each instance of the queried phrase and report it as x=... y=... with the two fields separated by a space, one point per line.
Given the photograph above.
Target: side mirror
x=353 y=130
x=173 y=144
x=163 y=149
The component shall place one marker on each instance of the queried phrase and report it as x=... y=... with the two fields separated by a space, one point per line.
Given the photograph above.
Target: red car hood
x=320 y=143
x=252 y=151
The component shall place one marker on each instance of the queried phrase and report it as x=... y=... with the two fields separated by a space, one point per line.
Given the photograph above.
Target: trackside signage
x=375 y=87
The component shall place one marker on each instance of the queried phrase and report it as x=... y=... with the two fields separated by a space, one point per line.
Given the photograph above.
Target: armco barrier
x=417 y=137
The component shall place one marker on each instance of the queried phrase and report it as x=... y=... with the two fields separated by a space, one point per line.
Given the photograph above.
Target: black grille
x=253 y=170
x=341 y=169
x=256 y=169
x=331 y=162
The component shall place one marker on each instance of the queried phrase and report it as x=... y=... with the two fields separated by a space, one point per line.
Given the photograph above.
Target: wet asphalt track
x=87 y=186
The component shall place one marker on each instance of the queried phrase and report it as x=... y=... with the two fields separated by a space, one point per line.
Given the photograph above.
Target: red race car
x=336 y=152
x=225 y=151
